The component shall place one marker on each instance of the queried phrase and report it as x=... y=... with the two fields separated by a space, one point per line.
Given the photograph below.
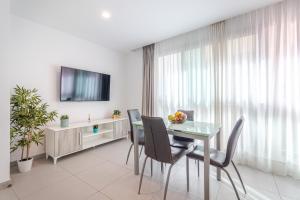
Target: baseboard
x=43 y=155
x=5 y=185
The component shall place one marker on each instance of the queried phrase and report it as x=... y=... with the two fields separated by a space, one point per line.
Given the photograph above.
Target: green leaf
x=28 y=116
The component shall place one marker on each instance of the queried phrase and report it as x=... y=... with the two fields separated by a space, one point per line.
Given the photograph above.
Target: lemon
x=171 y=117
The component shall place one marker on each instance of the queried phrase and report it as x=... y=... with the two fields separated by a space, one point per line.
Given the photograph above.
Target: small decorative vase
x=64 y=123
x=25 y=165
x=116 y=116
x=95 y=130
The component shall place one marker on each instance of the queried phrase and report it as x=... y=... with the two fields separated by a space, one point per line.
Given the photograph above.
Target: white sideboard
x=80 y=136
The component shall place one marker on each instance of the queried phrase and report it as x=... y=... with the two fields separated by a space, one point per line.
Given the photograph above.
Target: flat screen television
x=81 y=85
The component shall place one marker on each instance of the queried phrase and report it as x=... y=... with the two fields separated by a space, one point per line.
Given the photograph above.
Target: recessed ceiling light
x=106 y=14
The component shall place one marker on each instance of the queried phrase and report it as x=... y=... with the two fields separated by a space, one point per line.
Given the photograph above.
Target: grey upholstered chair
x=181 y=142
x=157 y=146
x=134 y=115
x=218 y=158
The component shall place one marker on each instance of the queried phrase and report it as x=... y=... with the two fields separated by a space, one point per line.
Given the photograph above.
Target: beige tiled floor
x=101 y=174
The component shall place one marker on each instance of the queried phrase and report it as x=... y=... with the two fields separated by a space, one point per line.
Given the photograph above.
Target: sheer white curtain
x=248 y=65
x=185 y=71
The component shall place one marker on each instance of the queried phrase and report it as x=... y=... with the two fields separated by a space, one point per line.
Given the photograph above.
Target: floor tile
x=99 y=196
x=288 y=187
x=43 y=174
x=253 y=179
x=69 y=189
x=126 y=188
x=79 y=162
x=174 y=195
x=8 y=194
x=102 y=175
x=226 y=192
x=115 y=152
x=288 y=198
x=178 y=181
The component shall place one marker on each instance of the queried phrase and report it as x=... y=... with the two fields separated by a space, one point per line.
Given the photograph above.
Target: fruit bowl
x=177 y=118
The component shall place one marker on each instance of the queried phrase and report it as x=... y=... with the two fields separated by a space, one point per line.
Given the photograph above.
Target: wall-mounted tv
x=81 y=85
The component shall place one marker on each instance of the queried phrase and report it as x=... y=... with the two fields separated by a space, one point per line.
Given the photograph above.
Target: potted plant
x=95 y=129
x=116 y=114
x=27 y=118
x=64 y=121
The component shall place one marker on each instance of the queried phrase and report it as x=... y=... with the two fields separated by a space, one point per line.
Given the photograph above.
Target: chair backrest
x=233 y=139
x=157 y=144
x=133 y=115
x=189 y=114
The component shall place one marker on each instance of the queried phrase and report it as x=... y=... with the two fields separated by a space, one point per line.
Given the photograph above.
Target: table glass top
x=190 y=127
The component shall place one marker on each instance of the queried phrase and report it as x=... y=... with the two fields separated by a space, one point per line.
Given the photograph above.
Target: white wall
x=4 y=91
x=37 y=54
x=134 y=71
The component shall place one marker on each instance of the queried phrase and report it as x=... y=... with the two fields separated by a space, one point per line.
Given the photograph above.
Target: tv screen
x=81 y=85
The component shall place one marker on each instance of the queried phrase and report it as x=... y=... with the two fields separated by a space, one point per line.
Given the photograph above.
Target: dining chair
x=182 y=142
x=157 y=146
x=219 y=159
x=134 y=115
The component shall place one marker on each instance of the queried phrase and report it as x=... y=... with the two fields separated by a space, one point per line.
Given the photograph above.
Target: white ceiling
x=134 y=23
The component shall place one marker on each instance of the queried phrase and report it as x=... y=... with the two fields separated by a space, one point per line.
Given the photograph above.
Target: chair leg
x=232 y=183
x=187 y=175
x=141 y=150
x=167 y=183
x=142 y=174
x=151 y=167
x=238 y=173
x=162 y=167
x=129 y=153
x=198 y=168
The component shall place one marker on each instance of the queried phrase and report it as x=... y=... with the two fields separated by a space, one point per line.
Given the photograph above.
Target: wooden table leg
x=206 y=169
x=136 y=151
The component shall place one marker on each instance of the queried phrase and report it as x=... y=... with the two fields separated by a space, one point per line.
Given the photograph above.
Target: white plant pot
x=25 y=165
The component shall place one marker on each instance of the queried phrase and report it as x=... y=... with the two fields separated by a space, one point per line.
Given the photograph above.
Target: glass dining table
x=189 y=129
